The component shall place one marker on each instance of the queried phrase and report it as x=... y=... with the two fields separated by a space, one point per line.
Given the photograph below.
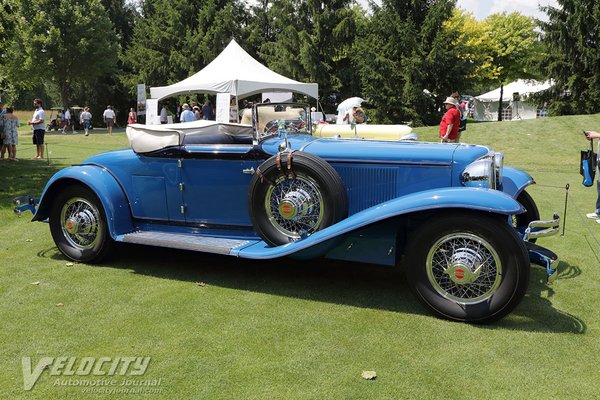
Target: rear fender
x=104 y=185
x=514 y=181
x=481 y=200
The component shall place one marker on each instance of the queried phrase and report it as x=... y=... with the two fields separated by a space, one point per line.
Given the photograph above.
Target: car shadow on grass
x=337 y=282
x=537 y=313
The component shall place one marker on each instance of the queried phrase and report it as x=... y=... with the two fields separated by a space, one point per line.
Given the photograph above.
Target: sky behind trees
x=483 y=8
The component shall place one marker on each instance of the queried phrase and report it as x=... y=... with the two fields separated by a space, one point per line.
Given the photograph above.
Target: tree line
x=403 y=56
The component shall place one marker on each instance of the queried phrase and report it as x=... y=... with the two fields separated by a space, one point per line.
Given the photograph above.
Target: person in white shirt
x=187 y=115
x=164 y=118
x=68 y=123
x=38 y=125
x=109 y=119
x=86 y=120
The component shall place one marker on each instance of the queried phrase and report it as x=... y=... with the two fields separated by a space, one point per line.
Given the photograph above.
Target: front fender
x=514 y=181
x=484 y=200
x=104 y=185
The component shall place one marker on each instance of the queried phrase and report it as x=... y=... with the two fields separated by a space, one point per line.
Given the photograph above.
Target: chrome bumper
x=538 y=254
x=25 y=203
x=538 y=229
x=544 y=257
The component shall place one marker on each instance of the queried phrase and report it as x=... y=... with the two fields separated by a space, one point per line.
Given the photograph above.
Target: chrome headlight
x=480 y=174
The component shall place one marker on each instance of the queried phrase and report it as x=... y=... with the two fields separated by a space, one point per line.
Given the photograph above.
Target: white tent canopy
x=486 y=105
x=235 y=71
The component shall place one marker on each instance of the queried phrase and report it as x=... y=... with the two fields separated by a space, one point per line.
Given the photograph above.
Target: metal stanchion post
x=565 y=212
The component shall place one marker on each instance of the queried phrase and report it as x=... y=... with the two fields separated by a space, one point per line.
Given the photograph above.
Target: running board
x=205 y=244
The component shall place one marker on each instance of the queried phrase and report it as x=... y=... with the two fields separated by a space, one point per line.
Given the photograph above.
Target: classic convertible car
x=461 y=225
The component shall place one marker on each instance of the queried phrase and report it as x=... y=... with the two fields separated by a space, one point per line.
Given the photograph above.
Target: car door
x=215 y=182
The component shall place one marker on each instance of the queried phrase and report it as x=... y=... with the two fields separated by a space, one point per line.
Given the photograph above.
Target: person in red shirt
x=450 y=121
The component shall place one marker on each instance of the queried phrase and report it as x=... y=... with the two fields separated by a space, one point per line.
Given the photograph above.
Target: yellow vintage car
x=364 y=131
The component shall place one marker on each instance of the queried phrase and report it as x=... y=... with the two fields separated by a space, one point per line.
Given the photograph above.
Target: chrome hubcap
x=297 y=203
x=80 y=223
x=464 y=267
x=295 y=206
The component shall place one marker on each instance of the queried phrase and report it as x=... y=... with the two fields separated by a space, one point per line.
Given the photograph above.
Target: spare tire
x=293 y=195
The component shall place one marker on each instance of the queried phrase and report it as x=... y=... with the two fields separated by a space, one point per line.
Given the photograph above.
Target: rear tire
x=468 y=267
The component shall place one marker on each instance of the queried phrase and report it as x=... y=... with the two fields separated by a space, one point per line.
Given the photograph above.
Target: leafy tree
x=8 y=22
x=472 y=49
x=309 y=41
x=511 y=49
x=67 y=42
x=173 y=39
x=572 y=38
x=407 y=62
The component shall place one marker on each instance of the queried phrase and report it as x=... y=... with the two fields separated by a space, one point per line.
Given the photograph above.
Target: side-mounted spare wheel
x=467 y=267
x=78 y=225
x=294 y=194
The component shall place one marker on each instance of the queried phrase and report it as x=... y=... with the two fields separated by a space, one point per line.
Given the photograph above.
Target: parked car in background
x=460 y=224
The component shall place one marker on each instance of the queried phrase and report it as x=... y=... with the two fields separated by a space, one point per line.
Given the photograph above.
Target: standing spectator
x=109 y=119
x=463 y=113
x=2 y=113
x=11 y=134
x=207 y=111
x=197 y=113
x=178 y=111
x=86 y=120
x=132 y=116
x=233 y=110
x=187 y=115
x=450 y=121
x=38 y=124
x=68 y=123
x=164 y=116
x=591 y=135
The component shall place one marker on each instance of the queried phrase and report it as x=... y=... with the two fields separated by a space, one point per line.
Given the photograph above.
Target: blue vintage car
x=460 y=223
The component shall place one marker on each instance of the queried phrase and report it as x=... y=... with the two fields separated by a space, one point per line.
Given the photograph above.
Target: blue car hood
x=370 y=151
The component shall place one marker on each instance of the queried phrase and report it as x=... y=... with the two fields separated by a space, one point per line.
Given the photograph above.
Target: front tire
x=521 y=221
x=78 y=225
x=468 y=267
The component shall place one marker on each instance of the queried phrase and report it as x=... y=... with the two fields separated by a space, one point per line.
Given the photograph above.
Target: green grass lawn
x=223 y=328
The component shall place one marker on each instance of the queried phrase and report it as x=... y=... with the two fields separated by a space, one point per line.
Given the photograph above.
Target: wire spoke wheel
x=295 y=206
x=464 y=268
x=293 y=195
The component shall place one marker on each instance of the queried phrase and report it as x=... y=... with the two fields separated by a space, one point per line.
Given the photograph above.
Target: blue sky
x=483 y=8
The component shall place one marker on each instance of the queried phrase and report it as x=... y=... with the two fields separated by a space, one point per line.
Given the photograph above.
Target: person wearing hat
x=450 y=121
x=197 y=113
x=187 y=115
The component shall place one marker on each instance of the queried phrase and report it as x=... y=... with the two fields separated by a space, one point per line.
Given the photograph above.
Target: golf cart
x=56 y=122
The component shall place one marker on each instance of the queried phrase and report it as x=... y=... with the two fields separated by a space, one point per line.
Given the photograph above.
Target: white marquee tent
x=234 y=71
x=486 y=105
